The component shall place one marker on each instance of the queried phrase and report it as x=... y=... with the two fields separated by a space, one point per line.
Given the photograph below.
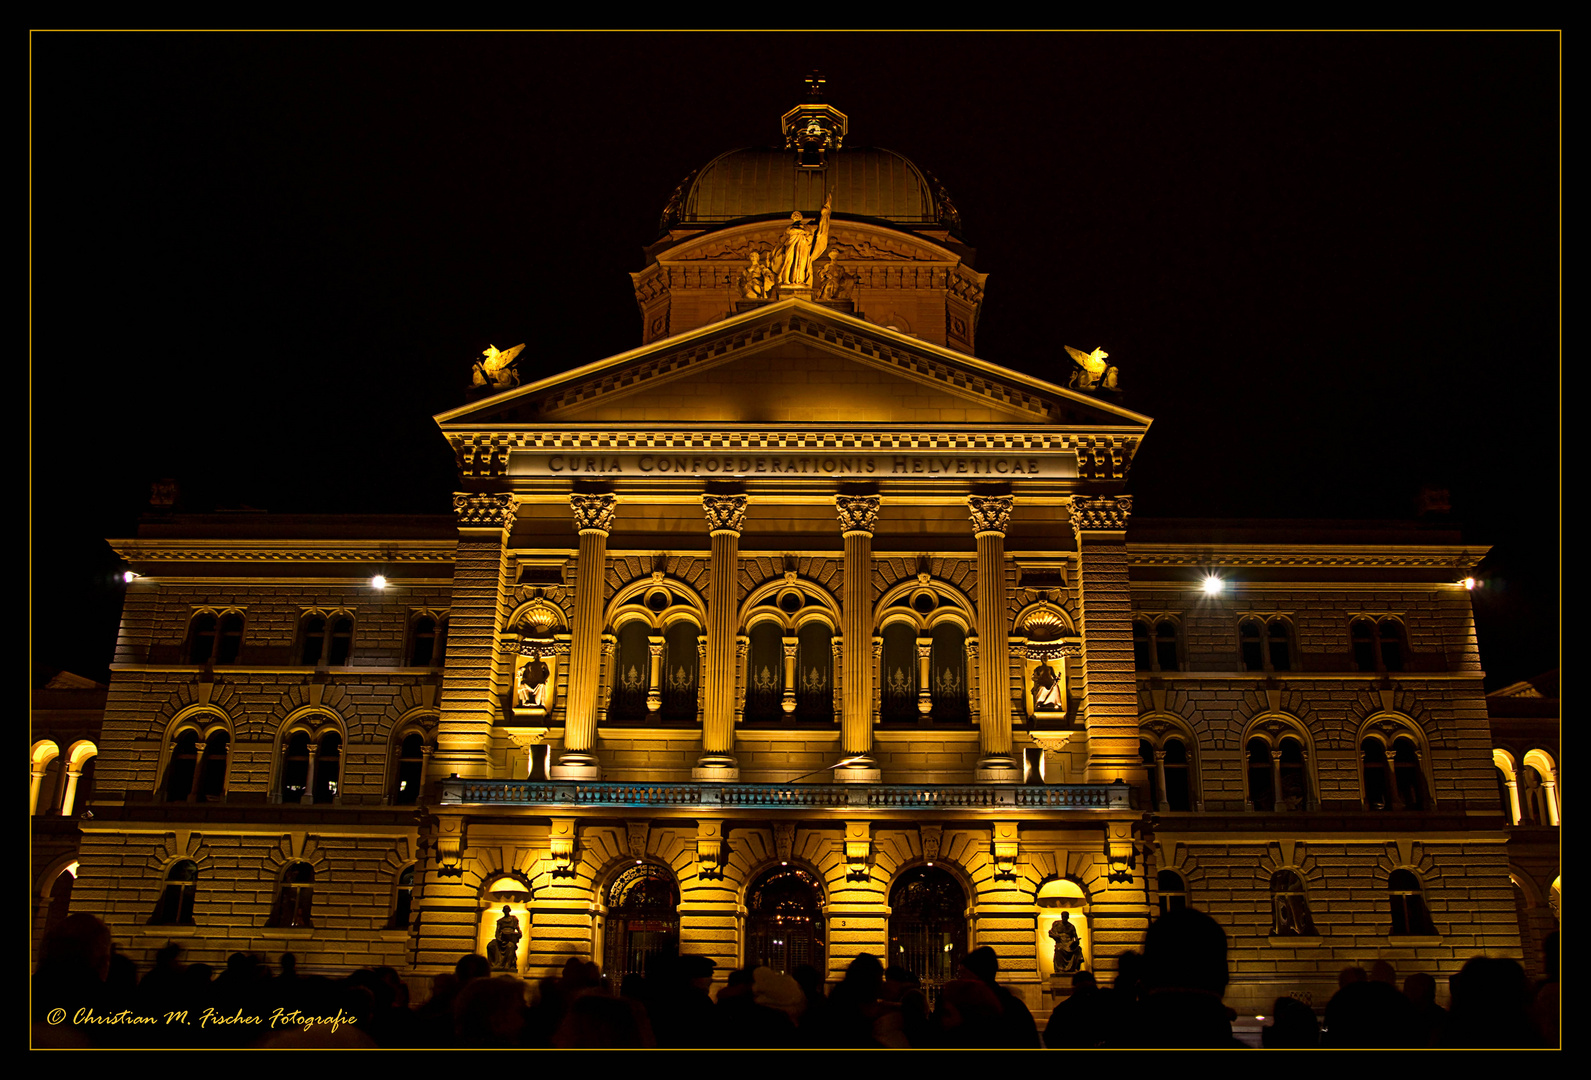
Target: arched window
x=1540 y=775
x=1410 y=783
x=1409 y=913
x=1166 y=645
x=1262 y=793
x=1266 y=644
x=402 y=899
x=681 y=670
x=765 y=673
x=1168 y=760
x=181 y=769
x=1173 y=891
x=928 y=925
x=213 y=768
x=311 y=763
x=312 y=640
x=176 y=898
x=295 y=767
x=422 y=642
x=784 y=927
x=815 y=673
x=1390 y=761
x=897 y=680
x=1277 y=768
x=1378 y=782
x=325 y=642
x=340 y=641
x=230 y=642
x=1290 y=906
x=1146 y=754
x=1143 y=656
x=294 y=897
x=201 y=638
x=643 y=922
x=1279 y=642
x=410 y=772
x=1157 y=644
x=948 y=674
x=60 y=897
x=1377 y=644
x=1251 y=643
x=632 y=660
x=1294 y=776
x=1178 y=788
x=328 y=767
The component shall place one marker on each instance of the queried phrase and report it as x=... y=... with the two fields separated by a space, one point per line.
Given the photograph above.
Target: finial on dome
x=812 y=128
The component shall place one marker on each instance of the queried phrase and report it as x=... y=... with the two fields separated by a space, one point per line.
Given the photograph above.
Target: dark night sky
x=1327 y=265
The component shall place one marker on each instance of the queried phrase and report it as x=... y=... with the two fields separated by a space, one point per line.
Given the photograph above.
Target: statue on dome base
x=834 y=281
x=802 y=245
x=756 y=280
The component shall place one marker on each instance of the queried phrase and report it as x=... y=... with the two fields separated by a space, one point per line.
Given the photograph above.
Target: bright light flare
x=379 y=581
x=1213 y=585
x=129 y=576
x=1470 y=583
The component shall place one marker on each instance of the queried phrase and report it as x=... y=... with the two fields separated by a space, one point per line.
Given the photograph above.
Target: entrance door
x=928 y=926
x=643 y=922
x=785 y=924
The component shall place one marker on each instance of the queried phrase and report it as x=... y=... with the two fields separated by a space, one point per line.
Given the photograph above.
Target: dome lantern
x=813 y=128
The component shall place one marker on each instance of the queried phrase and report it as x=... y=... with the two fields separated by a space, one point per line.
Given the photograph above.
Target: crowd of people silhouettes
x=1169 y=994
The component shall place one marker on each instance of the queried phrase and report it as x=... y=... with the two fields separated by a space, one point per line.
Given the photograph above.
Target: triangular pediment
x=793 y=362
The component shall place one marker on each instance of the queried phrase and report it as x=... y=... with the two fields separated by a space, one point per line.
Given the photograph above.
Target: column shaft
x=718 y=728
x=593 y=518
x=989 y=518
x=1110 y=680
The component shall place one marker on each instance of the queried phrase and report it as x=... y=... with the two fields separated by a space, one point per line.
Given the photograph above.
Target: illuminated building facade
x=797 y=632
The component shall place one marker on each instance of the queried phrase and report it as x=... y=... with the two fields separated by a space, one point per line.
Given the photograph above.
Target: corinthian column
x=857 y=516
x=593 y=517
x=725 y=515
x=989 y=517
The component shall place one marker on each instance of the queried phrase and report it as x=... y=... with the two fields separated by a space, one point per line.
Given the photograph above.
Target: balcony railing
x=792 y=796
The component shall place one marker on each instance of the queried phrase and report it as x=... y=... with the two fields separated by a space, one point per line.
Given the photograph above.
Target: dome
x=865 y=183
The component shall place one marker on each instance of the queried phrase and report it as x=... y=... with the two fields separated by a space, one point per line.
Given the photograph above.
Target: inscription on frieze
x=872 y=464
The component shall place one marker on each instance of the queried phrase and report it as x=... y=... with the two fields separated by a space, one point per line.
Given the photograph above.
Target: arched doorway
x=642 y=923
x=928 y=926
x=784 y=927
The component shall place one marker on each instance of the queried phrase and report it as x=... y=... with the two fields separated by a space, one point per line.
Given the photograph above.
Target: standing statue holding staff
x=801 y=247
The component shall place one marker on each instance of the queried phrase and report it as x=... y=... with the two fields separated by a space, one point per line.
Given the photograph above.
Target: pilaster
x=1110 y=683
x=476 y=671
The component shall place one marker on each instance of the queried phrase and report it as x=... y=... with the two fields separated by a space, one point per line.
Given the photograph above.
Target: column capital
x=495 y=510
x=1100 y=513
x=990 y=513
x=858 y=513
x=594 y=513
x=725 y=513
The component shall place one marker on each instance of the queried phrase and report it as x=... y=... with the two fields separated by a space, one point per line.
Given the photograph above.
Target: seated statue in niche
x=1068 y=945
x=757 y=281
x=1047 y=695
x=530 y=684
x=503 y=952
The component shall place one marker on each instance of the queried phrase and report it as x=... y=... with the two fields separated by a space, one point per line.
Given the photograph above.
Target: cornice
x=1391 y=555
x=244 y=550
